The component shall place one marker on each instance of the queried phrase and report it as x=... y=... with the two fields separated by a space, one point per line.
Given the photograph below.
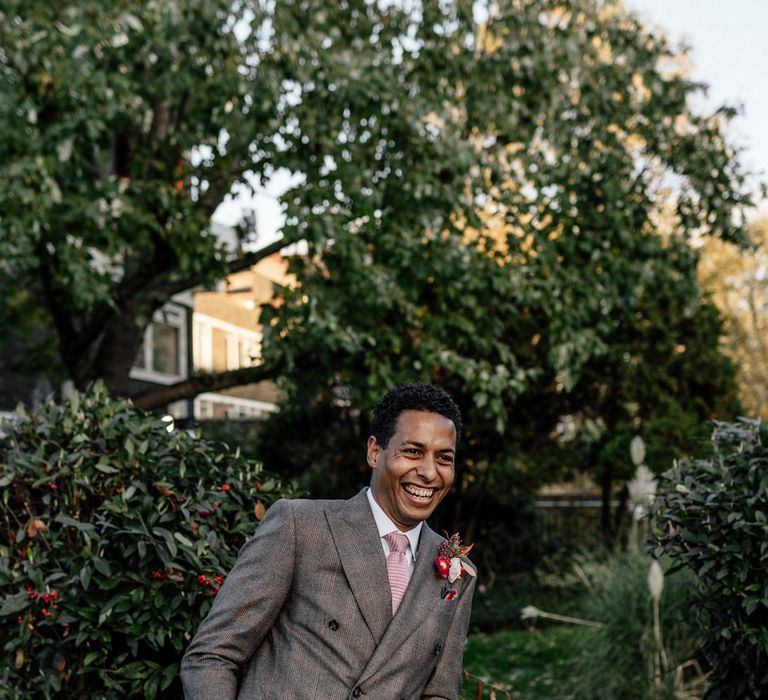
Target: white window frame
x=235 y=335
x=236 y=406
x=202 y=347
x=172 y=315
x=232 y=343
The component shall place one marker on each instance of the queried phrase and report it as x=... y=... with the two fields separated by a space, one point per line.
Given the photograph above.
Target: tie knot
x=397 y=542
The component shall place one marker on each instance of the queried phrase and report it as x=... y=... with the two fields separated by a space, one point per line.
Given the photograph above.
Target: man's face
x=415 y=471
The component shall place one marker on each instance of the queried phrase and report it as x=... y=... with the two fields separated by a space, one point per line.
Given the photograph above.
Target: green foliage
x=534 y=665
x=505 y=201
x=482 y=201
x=115 y=533
x=327 y=453
x=712 y=518
x=443 y=160
x=495 y=199
x=122 y=127
x=662 y=377
x=616 y=660
x=239 y=435
x=572 y=662
x=497 y=607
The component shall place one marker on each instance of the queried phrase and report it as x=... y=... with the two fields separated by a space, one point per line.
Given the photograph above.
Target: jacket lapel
x=422 y=599
x=359 y=547
x=423 y=592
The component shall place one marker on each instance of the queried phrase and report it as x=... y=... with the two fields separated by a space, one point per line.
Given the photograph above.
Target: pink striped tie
x=397 y=567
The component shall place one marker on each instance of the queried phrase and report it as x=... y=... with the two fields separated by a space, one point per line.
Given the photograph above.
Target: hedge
x=115 y=533
x=712 y=517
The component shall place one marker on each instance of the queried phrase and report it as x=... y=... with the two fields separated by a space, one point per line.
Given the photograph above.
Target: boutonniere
x=449 y=564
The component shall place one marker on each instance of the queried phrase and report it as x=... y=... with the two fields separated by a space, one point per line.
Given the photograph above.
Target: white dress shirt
x=385 y=526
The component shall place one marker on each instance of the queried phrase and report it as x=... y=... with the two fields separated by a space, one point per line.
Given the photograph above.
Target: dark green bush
x=712 y=517
x=114 y=536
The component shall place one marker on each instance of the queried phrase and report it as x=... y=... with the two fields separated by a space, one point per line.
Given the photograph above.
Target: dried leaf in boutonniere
x=450 y=565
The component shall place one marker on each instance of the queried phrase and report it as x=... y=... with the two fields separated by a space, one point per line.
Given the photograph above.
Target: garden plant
x=116 y=532
x=712 y=519
x=623 y=657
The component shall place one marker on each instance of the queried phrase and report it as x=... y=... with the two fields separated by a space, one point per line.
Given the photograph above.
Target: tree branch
x=162 y=259
x=250 y=259
x=220 y=185
x=234 y=265
x=78 y=339
x=199 y=383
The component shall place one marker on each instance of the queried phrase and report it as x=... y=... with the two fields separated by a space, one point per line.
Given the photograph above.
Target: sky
x=729 y=51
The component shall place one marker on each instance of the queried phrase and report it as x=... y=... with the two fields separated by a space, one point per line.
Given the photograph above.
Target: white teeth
x=416 y=491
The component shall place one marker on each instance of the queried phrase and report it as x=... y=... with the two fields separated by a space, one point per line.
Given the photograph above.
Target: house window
x=220 y=345
x=241 y=351
x=205 y=409
x=233 y=352
x=162 y=355
x=141 y=355
x=166 y=348
x=203 y=346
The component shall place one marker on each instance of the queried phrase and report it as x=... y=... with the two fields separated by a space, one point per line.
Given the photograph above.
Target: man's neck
x=385 y=525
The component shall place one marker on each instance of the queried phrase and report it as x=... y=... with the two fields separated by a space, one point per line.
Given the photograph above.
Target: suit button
x=357 y=692
x=438 y=649
x=333 y=625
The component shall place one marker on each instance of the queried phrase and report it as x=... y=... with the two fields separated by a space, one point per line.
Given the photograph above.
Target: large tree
x=518 y=254
x=478 y=196
x=123 y=127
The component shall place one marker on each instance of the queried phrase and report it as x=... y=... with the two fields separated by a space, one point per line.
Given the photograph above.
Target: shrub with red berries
x=114 y=539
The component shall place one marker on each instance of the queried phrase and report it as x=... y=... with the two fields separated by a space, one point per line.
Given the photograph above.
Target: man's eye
x=448 y=459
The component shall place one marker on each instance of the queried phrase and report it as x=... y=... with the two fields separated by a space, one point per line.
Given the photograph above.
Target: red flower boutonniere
x=449 y=564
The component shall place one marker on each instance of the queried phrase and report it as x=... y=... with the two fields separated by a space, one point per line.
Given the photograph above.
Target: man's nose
x=427 y=468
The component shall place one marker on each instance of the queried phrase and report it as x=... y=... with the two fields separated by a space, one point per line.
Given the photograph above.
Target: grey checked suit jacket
x=306 y=613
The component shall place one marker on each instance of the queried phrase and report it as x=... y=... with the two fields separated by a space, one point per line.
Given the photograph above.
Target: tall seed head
x=655 y=580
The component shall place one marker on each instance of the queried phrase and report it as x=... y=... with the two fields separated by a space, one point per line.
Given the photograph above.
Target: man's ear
x=372 y=452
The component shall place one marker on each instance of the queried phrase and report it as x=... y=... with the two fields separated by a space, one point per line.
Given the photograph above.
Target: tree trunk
x=199 y=383
x=117 y=353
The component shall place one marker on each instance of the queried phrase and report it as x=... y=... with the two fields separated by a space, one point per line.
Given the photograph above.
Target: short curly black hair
x=411 y=397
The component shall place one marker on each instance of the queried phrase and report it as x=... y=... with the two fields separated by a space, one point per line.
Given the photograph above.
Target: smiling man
x=343 y=599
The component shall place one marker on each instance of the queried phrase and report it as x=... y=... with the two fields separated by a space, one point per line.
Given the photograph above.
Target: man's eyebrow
x=416 y=443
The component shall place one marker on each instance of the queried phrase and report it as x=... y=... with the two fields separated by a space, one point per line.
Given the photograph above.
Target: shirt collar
x=385 y=525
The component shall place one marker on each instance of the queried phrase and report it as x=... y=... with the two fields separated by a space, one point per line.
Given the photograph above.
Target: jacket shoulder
x=303 y=509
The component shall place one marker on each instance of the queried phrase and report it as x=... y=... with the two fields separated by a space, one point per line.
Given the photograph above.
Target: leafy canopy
x=446 y=157
x=736 y=280
x=478 y=192
x=124 y=125
x=489 y=216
